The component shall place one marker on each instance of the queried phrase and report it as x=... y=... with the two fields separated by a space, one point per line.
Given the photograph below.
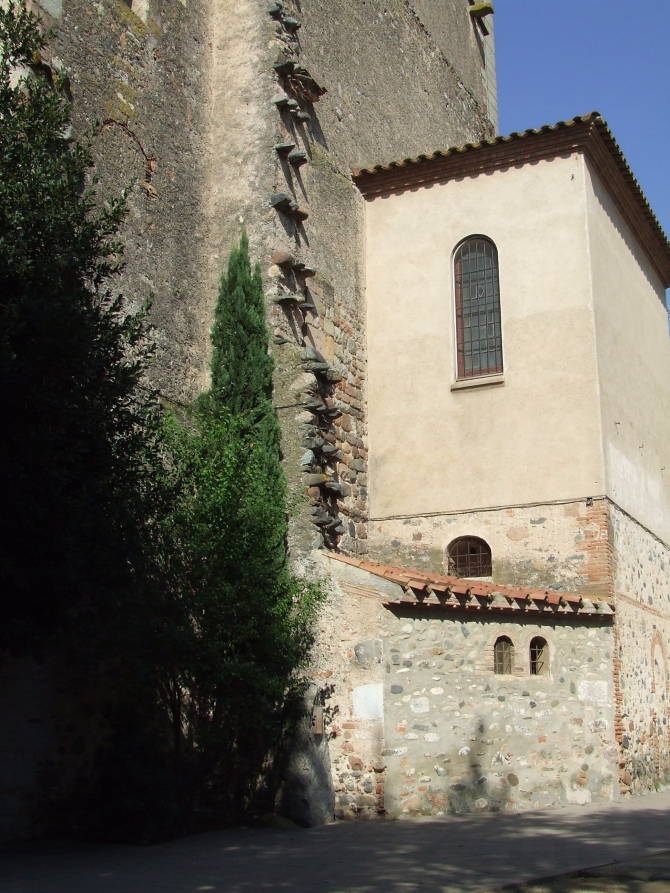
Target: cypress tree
x=242 y=622
x=241 y=385
x=241 y=365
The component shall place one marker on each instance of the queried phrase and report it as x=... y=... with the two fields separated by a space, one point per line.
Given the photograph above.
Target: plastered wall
x=534 y=438
x=633 y=351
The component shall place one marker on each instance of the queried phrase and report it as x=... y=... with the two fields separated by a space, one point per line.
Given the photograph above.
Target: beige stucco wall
x=633 y=351
x=534 y=439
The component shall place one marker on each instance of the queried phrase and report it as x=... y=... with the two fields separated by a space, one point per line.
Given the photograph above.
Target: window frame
x=465 y=537
x=508 y=639
x=480 y=378
x=546 y=663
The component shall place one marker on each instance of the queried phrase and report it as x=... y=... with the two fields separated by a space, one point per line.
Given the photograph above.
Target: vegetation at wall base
x=142 y=553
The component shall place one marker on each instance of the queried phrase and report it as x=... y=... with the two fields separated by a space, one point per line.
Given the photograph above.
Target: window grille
x=539 y=657
x=478 y=328
x=469 y=557
x=503 y=652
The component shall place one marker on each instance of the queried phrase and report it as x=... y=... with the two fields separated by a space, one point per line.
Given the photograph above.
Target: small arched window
x=503 y=656
x=539 y=657
x=469 y=556
x=478 y=328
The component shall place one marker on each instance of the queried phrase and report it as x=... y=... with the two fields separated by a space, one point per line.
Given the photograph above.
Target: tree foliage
x=145 y=549
x=74 y=427
x=248 y=623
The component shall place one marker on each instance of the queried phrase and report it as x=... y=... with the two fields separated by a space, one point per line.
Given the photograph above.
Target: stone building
x=507 y=488
x=518 y=379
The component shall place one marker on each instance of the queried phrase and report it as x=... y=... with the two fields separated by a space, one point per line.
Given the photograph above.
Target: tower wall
x=187 y=93
x=184 y=94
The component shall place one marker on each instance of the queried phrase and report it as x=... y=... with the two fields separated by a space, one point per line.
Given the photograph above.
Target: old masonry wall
x=422 y=716
x=642 y=592
x=565 y=545
x=210 y=113
x=390 y=90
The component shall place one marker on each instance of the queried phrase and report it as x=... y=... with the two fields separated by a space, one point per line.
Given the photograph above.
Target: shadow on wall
x=450 y=856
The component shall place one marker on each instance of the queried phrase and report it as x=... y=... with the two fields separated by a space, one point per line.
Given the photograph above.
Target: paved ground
x=648 y=874
x=431 y=856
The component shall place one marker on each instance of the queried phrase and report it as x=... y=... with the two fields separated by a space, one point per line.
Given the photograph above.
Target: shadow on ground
x=644 y=875
x=456 y=854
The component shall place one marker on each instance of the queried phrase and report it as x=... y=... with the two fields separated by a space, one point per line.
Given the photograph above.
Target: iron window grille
x=539 y=657
x=503 y=653
x=478 y=326
x=469 y=556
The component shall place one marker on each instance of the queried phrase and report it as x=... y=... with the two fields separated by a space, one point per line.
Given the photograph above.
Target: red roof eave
x=588 y=133
x=457 y=593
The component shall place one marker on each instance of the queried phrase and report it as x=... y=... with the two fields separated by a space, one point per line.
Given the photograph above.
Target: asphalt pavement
x=461 y=854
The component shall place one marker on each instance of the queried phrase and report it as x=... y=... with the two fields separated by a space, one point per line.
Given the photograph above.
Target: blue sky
x=559 y=59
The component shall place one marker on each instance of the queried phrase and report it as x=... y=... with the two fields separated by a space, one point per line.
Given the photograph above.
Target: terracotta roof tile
x=457 y=593
x=587 y=133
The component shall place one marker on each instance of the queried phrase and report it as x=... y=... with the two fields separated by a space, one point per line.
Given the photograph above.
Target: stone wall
x=460 y=738
x=559 y=546
x=456 y=736
x=143 y=75
x=642 y=592
x=189 y=100
x=391 y=92
x=348 y=669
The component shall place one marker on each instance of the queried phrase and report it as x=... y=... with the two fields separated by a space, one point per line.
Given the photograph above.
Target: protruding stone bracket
x=479 y=11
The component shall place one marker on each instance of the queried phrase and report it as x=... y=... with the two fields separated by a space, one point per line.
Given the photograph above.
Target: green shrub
x=144 y=552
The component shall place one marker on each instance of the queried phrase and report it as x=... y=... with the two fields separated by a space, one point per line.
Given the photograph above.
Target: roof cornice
x=588 y=135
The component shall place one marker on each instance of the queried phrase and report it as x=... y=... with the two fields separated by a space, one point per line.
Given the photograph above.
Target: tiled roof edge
x=382 y=179
x=470 y=147
x=418 y=584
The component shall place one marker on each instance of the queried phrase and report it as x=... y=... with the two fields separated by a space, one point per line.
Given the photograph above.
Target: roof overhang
x=588 y=135
x=422 y=590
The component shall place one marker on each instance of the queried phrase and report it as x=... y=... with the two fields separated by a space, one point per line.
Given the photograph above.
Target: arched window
x=468 y=556
x=478 y=330
x=503 y=656
x=539 y=657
